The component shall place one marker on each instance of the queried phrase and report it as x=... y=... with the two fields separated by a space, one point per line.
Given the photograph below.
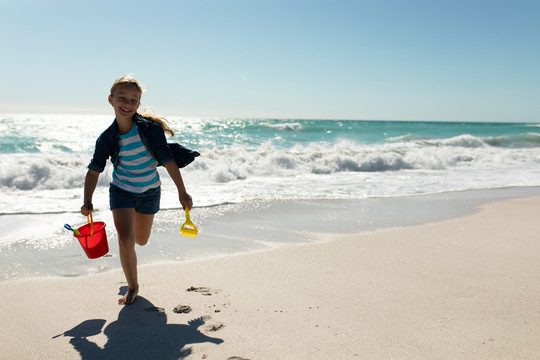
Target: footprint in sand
x=215 y=326
x=182 y=309
x=203 y=290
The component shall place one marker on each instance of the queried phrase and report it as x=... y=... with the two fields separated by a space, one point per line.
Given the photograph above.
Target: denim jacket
x=151 y=134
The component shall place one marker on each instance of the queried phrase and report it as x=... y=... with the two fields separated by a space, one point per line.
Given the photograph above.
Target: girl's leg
x=132 y=228
x=143 y=227
x=124 y=220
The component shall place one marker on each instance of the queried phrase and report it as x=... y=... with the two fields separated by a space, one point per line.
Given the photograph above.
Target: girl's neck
x=124 y=125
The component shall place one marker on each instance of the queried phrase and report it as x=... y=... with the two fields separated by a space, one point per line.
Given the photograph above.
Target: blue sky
x=453 y=60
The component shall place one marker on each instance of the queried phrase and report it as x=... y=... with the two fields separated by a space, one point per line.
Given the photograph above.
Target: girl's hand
x=87 y=208
x=186 y=201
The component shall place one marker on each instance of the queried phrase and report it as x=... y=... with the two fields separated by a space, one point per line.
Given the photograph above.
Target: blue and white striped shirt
x=136 y=171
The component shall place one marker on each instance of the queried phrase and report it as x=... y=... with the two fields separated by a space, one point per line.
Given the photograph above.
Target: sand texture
x=464 y=288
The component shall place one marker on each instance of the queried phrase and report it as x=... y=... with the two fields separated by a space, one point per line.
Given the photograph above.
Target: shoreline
x=459 y=288
x=243 y=228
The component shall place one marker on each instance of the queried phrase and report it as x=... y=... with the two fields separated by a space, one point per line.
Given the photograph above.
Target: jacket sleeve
x=183 y=156
x=99 y=160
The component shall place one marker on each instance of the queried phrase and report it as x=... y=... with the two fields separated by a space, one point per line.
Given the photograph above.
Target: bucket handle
x=90 y=220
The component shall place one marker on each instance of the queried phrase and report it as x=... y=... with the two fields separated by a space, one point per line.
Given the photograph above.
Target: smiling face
x=125 y=100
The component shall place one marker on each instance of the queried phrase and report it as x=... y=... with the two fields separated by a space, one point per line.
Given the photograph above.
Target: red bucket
x=93 y=239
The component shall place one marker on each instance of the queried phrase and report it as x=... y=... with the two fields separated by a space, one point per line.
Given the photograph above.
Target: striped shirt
x=136 y=171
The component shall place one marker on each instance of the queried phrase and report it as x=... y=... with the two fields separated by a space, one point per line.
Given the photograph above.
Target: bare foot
x=129 y=297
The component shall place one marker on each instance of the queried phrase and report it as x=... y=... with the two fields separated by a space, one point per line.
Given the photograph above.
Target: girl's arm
x=90 y=184
x=174 y=172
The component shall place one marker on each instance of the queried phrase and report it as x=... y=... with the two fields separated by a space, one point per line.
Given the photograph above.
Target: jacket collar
x=142 y=123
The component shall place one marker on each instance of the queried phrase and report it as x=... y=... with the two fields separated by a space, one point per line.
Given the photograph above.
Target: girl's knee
x=126 y=241
x=142 y=240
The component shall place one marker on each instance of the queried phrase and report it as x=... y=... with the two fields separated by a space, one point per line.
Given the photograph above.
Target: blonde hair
x=161 y=120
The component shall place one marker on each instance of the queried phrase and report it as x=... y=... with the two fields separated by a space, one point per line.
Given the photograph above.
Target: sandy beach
x=464 y=288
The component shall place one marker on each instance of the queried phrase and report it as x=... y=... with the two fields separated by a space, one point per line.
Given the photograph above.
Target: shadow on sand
x=141 y=332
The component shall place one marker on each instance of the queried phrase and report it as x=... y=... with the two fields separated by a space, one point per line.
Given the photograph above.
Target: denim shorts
x=146 y=203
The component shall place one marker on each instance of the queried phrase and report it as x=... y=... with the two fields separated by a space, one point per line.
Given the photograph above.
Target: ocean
x=246 y=165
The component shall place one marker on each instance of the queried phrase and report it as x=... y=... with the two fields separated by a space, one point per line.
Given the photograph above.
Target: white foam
x=286 y=126
x=42 y=181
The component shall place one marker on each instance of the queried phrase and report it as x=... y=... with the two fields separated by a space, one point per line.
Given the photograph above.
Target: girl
x=136 y=144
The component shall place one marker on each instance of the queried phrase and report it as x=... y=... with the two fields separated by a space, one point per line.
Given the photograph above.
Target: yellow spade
x=188 y=228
